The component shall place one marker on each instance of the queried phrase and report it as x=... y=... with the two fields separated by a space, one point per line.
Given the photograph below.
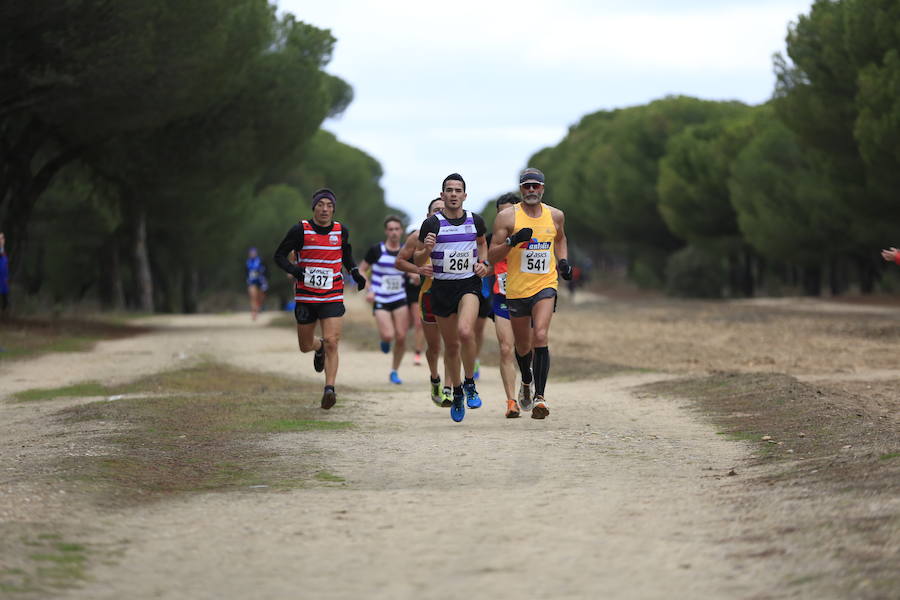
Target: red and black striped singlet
x=320 y=257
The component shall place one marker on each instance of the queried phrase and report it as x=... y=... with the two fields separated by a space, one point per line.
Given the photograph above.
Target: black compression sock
x=541 y=369
x=457 y=391
x=524 y=367
x=469 y=380
x=435 y=379
x=329 y=387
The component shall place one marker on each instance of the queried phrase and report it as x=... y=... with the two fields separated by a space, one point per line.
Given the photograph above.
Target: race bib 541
x=536 y=261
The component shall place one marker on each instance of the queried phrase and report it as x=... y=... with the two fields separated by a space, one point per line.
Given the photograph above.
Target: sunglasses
x=531 y=186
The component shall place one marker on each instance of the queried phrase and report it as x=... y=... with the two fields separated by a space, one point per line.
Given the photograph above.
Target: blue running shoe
x=395 y=378
x=477 y=373
x=457 y=409
x=385 y=347
x=472 y=398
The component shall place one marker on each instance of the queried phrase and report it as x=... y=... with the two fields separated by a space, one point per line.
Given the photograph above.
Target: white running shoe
x=540 y=409
x=526 y=400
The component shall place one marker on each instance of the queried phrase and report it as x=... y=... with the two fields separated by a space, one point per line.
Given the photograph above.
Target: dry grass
x=26 y=338
x=198 y=434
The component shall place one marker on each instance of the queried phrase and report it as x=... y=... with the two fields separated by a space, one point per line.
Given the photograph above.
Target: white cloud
x=478 y=86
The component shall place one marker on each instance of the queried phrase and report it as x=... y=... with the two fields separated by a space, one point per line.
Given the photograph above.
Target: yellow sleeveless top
x=532 y=264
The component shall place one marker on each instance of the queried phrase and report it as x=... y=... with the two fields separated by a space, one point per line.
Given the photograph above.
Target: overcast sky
x=477 y=87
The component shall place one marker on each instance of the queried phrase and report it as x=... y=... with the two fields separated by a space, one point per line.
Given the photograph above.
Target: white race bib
x=536 y=261
x=391 y=284
x=459 y=261
x=254 y=275
x=501 y=283
x=321 y=278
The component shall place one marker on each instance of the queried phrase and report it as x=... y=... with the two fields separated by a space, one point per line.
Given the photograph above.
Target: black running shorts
x=310 y=312
x=446 y=294
x=389 y=306
x=521 y=307
x=412 y=292
x=485 y=308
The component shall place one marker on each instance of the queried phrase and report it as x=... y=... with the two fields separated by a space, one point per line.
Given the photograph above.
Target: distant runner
x=440 y=396
x=502 y=323
x=257 y=284
x=4 y=276
x=387 y=292
x=532 y=239
x=413 y=289
x=322 y=245
x=454 y=241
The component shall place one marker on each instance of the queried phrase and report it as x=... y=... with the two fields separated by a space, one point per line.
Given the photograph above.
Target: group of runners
x=440 y=269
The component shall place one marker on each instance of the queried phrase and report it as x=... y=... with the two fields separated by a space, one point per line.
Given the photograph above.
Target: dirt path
x=612 y=496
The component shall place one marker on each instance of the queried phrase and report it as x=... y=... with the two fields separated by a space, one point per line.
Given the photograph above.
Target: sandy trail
x=612 y=496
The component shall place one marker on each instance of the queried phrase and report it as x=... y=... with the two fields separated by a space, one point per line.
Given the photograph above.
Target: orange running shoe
x=512 y=409
x=540 y=410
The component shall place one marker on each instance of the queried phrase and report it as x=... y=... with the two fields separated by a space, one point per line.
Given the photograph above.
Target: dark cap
x=323 y=193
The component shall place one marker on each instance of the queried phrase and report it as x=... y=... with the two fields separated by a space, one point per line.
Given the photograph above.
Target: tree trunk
x=812 y=280
x=734 y=275
x=868 y=275
x=112 y=292
x=142 y=276
x=748 y=284
x=190 y=286
x=837 y=277
x=21 y=186
x=118 y=287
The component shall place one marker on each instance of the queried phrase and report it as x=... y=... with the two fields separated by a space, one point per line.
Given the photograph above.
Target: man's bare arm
x=406 y=253
x=560 y=243
x=503 y=225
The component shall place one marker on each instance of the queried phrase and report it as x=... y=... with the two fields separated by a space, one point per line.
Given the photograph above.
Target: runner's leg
x=450 y=336
x=507 y=364
x=467 y=315
x=541 y=313
x=432 y=347
x=480 y=324
x=385 y=325
x=251 y=293
x=306 y=337
x=400 y=318
x=331 y=334
x=521 y=327
x=418 y=328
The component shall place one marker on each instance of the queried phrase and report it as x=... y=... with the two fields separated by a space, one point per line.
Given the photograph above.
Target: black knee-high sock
x=524 y=367
x=541 y=369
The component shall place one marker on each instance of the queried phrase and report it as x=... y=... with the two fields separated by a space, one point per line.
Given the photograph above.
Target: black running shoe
x=319 y=358
x=328 y=398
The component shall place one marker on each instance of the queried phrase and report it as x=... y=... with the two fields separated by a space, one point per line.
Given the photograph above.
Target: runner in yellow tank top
x=532 y=238
x=532 y=263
